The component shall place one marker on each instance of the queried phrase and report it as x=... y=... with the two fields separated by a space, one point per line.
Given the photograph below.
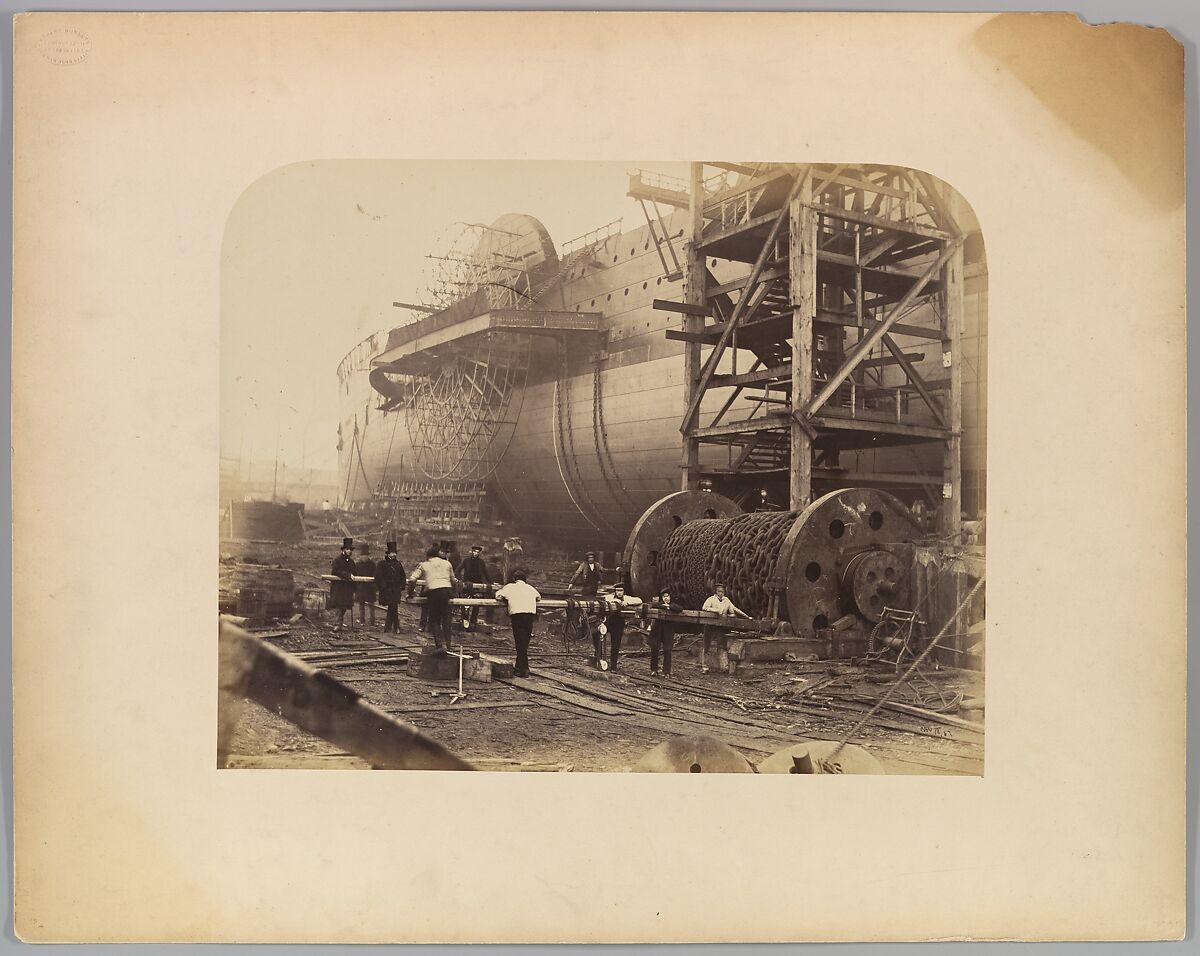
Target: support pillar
x=695 y=292
x=802 y=270
x=952 y=328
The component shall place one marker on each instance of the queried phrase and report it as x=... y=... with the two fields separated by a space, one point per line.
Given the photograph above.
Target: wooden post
x=695 y=293
x=802 y=268
x=952 y=326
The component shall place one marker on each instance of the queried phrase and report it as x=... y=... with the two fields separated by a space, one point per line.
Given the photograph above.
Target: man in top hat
x=390 y=580
x=365 y=591
x=341 y=591
x=477 y=580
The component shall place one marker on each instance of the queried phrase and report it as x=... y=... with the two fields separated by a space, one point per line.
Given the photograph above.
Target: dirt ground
x=609 y=719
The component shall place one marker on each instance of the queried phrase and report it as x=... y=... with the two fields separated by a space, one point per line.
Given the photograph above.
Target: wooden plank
x=778 y=270
x=712 y=208
x=867 y=185
x=836 y=422
x=692 y=337
x=950 y=520
x=825 y=181
x=939 y=208
x=885 y=361
x=749 y=378
x=746 y=452
x=732 y=397
x=947 y=719
x=875 y=477
x=774 y=421
x=803 y=272
x=539 y=687
x=329 y=665
x=869 y=220
x=750 y=225
x=687 y=308
x=714 y=357
x=883 y=245
x=676 y=198
x=435 y=708
x=843 y=259
x=610 y=694
x=864 y=345
x=253 y=669
x=738 y=168
x=915 y=331
x=915 y=378
x=695 y=291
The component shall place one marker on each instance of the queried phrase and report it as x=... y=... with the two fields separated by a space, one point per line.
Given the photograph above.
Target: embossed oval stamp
x=65 y=46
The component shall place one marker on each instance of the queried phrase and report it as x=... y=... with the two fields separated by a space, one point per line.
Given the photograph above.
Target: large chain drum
x=843 y=554
x=834 y=548
x=644 y=552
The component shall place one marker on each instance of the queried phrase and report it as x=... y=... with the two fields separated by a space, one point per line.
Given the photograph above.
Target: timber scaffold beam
x=823 y=343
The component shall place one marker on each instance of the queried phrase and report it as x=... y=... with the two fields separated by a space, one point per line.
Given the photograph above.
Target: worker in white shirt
x=718 y=603
x=440 y=581
x=521 y=598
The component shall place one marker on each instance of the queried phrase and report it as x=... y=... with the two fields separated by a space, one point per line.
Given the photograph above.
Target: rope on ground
x=916 y=663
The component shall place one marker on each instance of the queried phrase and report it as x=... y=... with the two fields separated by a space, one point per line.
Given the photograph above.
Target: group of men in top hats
x=387 y=587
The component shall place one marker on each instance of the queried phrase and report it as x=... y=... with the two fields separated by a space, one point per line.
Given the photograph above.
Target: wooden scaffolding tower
x=851 y=268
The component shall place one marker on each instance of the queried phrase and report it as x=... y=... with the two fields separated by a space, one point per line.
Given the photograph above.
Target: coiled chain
x=740 y=552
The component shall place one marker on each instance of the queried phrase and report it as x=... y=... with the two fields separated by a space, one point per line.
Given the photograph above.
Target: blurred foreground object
x=693 y=755
x=251 y=669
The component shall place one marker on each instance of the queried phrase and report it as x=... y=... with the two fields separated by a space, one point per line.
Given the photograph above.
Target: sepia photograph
x=595 y=466
x=514 y=428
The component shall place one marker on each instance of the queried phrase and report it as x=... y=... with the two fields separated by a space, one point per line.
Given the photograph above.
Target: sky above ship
x=315 y=254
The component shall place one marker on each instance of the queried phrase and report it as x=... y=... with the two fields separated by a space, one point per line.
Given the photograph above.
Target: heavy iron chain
x=600 y=432
x=746 y=557
x=673 y=562
x=596 y=519
x=740 y=552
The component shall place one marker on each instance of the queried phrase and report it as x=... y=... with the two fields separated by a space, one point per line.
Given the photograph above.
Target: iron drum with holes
x=644 y=548
x=875 y=579
x=837 y=540
x=845 y=554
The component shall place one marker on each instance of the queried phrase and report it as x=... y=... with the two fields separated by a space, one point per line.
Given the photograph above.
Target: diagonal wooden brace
x=714 y=357
x=860 y=351
x=915 y=378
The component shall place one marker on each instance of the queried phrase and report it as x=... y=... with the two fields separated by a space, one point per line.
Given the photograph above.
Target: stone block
x=431 y=666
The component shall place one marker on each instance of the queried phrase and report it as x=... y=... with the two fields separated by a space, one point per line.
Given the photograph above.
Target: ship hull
x=597 y=436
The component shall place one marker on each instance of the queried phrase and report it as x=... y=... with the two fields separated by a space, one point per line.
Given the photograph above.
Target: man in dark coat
x=662 y=636
x=614 y=624
x=477 y=583
x=390 y=580
x=341 y=591
x=588 y=575
x=364 y=591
